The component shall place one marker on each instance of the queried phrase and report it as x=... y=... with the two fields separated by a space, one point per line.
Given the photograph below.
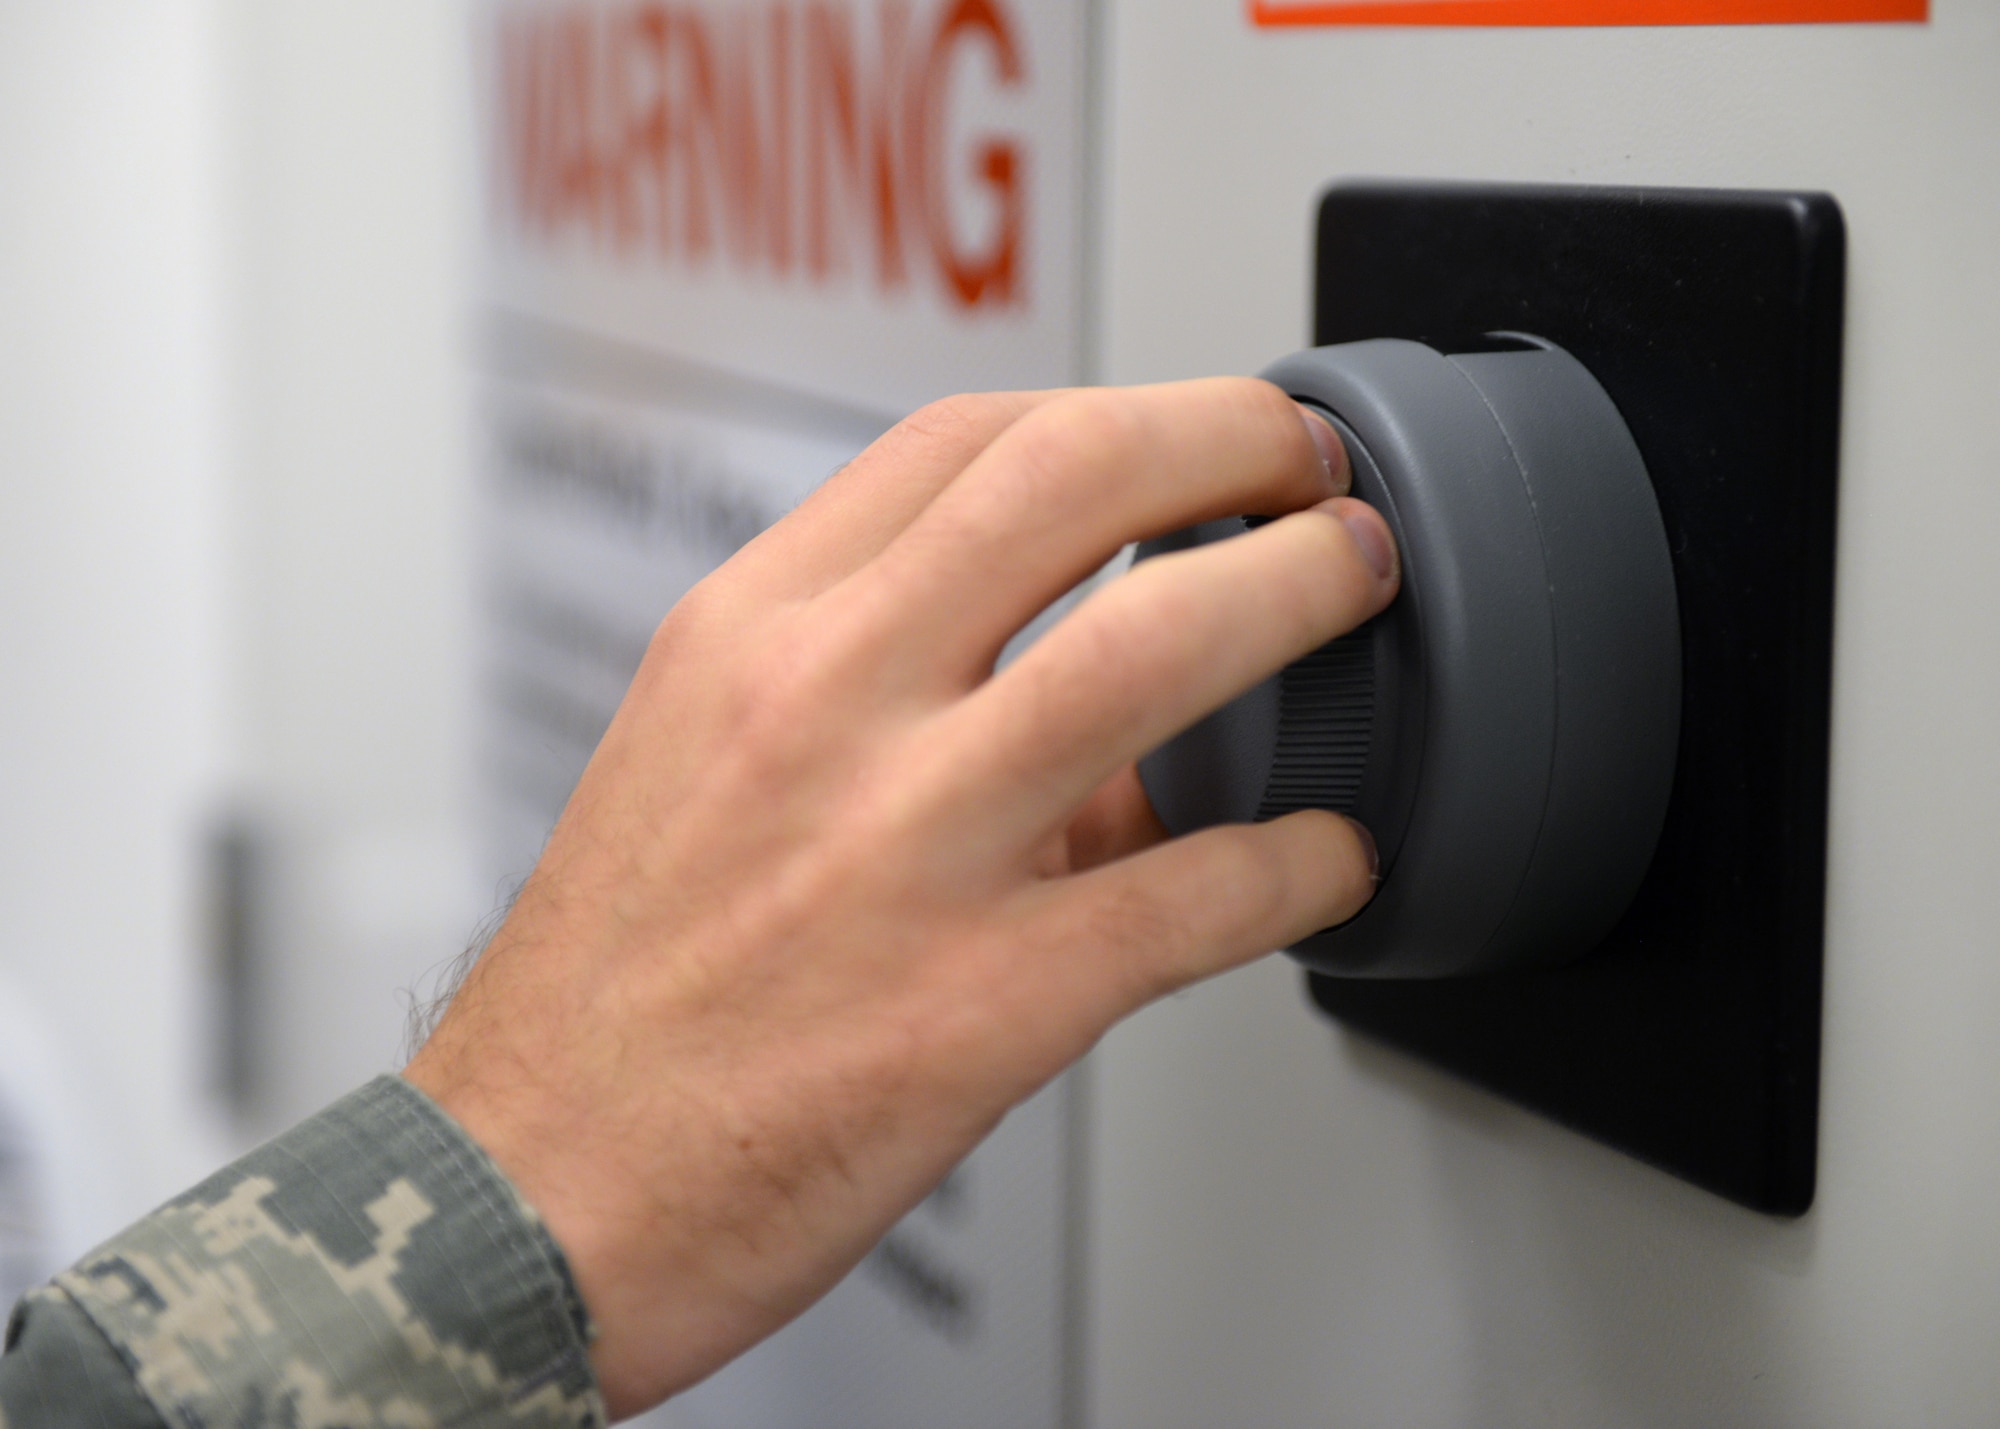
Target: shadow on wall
x=1595 y=1289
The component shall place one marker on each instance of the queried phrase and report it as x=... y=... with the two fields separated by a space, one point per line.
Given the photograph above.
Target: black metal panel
x=1690 y=1037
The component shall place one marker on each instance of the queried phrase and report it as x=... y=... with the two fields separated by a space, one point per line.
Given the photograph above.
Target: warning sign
x=1276 y=14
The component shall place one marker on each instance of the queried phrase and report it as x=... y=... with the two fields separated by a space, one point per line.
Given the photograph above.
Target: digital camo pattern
x=58 y=1370
x=369 y=1268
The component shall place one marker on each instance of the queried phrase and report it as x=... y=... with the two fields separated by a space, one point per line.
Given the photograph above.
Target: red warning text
x=820 y=141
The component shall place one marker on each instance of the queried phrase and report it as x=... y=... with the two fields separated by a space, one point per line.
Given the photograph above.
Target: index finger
x=852 y=515
x=1059 y=491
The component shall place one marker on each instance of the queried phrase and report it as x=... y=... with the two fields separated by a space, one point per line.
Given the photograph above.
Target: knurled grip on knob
x=1507 y=728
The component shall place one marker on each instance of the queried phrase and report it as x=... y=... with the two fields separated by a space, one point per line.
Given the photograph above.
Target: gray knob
x=1507 y=728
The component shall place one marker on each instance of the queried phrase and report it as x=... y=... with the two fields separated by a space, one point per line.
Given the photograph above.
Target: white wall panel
x=112 y=686
x=349 y=205
x=1293 y=1228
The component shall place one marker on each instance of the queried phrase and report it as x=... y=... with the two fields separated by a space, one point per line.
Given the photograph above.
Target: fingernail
x=1371 y=534
x=1367 y=847
x=1326 y=441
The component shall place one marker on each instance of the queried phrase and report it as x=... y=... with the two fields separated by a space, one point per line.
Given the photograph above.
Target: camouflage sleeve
x=59 y=1370
x=371 y=1267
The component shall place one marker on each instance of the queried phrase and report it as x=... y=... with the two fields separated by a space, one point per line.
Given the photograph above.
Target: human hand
x=832 y=895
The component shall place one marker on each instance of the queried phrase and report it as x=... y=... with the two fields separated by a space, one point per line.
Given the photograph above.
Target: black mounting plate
x=1690 y=1036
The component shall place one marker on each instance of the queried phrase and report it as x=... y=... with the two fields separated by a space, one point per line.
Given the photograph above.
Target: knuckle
x=1264 y=408
x=685 y=631
x=1152 y=599
x=948 y=422
x=1113 y=420
x=1152 y=621
x=1100 y=431
x=1266 y=402
x=952 y=418
x=1111 y=636
x=949 y=429
x=1094 y=684
x=772 y=689
x=789 y=670
x=1146 y=938
x=1081 y=445
x=1253 y=883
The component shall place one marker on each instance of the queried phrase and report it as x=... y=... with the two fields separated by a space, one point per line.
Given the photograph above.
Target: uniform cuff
x=372 y=1265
